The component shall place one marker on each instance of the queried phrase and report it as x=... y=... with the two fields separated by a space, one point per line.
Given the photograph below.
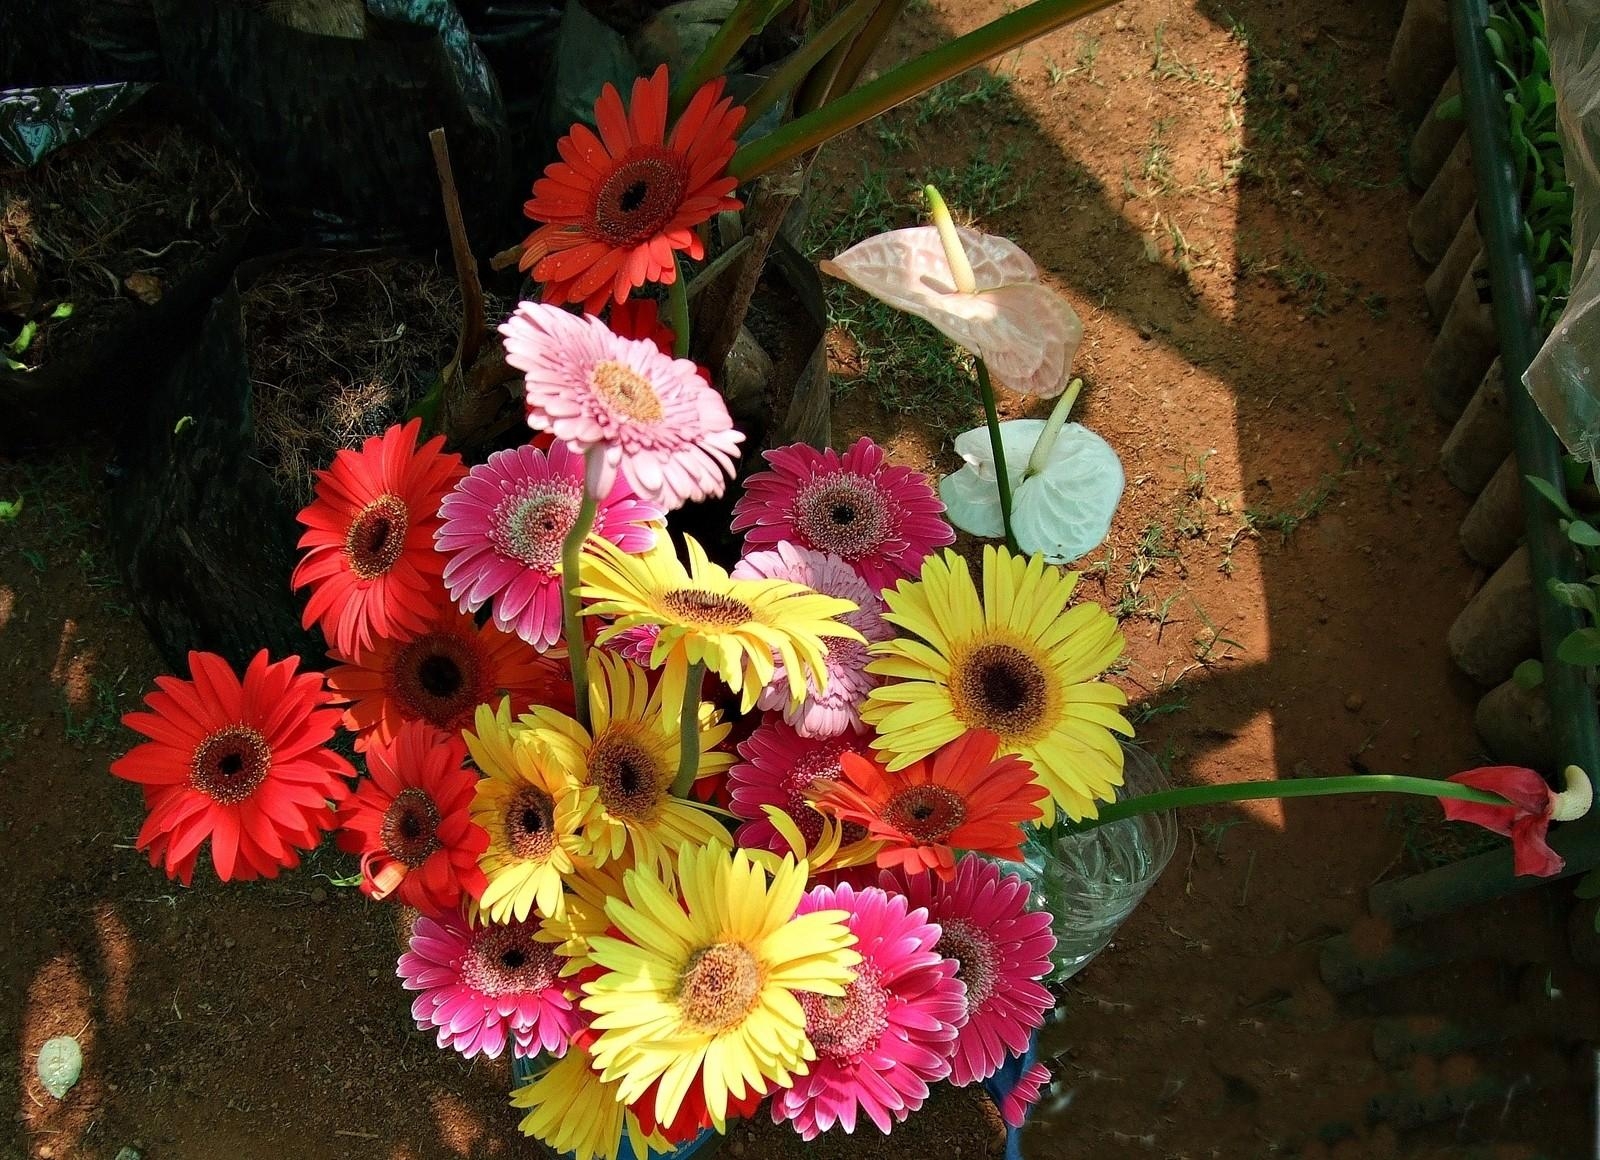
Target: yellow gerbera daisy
x=628 y=763
x=574 y=1111
x=1020 y=664
x=702 y=990
x=532 y=809
x=733 y=627
x=584 y=913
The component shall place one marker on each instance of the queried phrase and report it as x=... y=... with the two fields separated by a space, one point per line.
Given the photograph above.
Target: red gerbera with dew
x=442 y=676
x=963 y=796
x=483 y=987
x=620 y=203
x=410 y=821
x=781 y=768
x=369 y=559
x=242 y=763
x=892 y=1034
x=640 y=318
x=1003 y=948
x=883 y=520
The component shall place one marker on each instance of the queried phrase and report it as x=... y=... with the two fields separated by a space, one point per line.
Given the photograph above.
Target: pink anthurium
x=1531 y=806
x=1024 y=331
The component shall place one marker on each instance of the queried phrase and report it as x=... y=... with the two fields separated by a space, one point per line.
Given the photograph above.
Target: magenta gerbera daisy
x=503 y=529
x=780 y=768
x=486 y=986
x=635 y=644
x=891 y=1035
x=1014 y=1107
x=881 y=519
x=837 y=706
x=1003 y=948
x=650 y=417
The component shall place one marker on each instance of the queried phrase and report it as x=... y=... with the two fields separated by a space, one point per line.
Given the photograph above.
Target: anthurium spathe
x=1531 y=805
x=1025 y=332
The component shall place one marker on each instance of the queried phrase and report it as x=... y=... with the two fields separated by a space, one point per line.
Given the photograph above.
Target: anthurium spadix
x=997 y=308
x=1065 y=485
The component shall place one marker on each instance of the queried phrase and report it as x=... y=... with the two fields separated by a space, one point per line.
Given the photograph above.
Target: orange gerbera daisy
x=370 y=561
x=442 y=676
x=960 y=797
x=618 y=204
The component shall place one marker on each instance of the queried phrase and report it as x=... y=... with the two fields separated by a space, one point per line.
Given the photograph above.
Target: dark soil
x=955 y=1124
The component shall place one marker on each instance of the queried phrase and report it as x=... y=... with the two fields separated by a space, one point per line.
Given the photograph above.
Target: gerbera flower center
x=530 y=824
x=973 y=952
x=230 y=764
x=436 y=678
x=847 y=1025
x=844 y=514
x=377 y=536
x=627 y=391
x=640 y=197
x=1000 y=688
x=719 y=986
x=928 y=813
x=410 y=827
x=529 y=524
x=805 y=780
x=702 y=609
x=628 y=774
x=505 y=960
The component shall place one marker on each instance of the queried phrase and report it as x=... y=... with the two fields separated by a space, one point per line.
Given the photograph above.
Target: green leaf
x=1575 y=596
x=183 y=424
x=10 y=509
x=59 y=1065
x=1589 y=885
x=1545 y=488
x=1450 y=109
x=1529 y=675
x=62 y=311
x=1581 y=647
x=1583 y=533
x=24 y=337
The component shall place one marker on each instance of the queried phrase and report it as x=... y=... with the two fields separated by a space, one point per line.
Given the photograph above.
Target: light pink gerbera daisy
x=1003 y=948
x=891 y=1035
x=779 y=768
x=503 y=529
x=650 y=417
x=635 y=644
x=880 y=519
x=1014 y=1108
x=483 y=987
x=837 y=707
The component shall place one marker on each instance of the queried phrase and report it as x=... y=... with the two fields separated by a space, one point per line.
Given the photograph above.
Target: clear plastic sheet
x=36 y=122
x=1564 y=378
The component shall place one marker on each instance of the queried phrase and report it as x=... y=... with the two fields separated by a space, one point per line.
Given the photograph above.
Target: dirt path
x=1218 y=193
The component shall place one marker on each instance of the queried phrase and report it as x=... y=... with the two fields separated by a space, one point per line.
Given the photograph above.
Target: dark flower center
x=530 y=824
x=1000 y=688
x=377 y=536
x=410 y=827
x=230 y=764
x=928 y=813
x=628 y=774
x=844 y=1027
x=844 y=514
x=640 y=197
x=529 y=524
x=436 y=678
x=506 y=960
x=974 y=953
x=804 y=780
x=702 y=609
x=719 y=986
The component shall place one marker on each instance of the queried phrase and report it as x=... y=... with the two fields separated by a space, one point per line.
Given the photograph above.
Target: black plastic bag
x=58 y=42
x=337 y=125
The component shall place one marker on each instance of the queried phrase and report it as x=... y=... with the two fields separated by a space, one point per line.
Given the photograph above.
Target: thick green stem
x=745 y=21
x=1206 y=795
x=901 y=84
x=678 y=310
x=798 y=64
x=689 y=732
x=1002 y=474
x=849 y=63
x=571 y=617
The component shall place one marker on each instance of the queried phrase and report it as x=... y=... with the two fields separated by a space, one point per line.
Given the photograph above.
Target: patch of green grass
x=1286 y=520
x=1153 y=547
x=983 y=88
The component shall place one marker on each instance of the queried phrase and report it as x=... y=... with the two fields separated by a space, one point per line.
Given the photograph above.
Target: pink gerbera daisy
x=881 y=519
x=648 y=416
x=836 y=707
x=1004 y=950
x=635 y=644
x=892 y=1034
x=504 y=525
x=1014 y=1108
x=781 y=768
x=482 y=987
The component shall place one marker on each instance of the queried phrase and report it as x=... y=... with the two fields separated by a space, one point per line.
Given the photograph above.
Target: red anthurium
x=1531 y=805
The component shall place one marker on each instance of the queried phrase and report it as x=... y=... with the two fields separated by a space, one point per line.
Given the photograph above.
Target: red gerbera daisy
x=240 y=763
x=370 y=561
x=410 y=822
x=618 y=204
x=442 y=676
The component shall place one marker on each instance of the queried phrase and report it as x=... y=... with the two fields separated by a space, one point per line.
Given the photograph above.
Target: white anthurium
x=1065 y=485
x=996 y=308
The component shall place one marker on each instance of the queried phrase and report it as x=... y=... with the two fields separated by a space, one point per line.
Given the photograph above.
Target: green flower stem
x=798 y=64
x=571 y=617
x=678 y=310
x=1206 y=795
x=1002 y=474
x=689 y=732
x=907 y=81
x=745 y=21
